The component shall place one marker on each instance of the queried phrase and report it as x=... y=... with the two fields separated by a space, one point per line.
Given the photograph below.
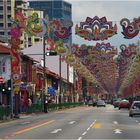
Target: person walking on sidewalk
x=46 y=106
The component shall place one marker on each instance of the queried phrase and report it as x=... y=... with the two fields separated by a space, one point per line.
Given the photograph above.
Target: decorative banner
x=99 y=62
x=16 y=30
x=130 y=29
x=96 y=29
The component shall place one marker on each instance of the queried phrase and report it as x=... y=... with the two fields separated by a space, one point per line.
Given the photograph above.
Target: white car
x=134 y=109
x=100 y=103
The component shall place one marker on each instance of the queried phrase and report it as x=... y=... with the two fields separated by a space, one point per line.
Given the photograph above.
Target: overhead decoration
x=62 y=29
x=35 y=25
x=99 y=60
x=129 y=60
x=96 y=29
x=130 y=29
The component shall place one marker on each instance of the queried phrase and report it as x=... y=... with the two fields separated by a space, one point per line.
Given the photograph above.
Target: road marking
x=97 y=125
x=79 y=138
x=137 y=121
x=88 y=129
x=56 y=131
x=32 y=127
x=115 y=122
x=72 y=122
x=117 y=131
x=84 y=133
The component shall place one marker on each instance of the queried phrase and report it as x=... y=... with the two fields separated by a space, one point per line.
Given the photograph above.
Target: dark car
x=124 y=104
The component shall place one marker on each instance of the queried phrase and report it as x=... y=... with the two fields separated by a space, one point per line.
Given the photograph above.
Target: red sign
x=1 y=79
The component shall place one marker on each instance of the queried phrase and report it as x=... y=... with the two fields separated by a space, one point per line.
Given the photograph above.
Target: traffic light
x=51 y=53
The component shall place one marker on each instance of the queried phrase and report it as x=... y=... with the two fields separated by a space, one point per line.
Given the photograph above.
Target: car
x=124 y=104
x=134 y=109
x=100 y=103
x=90 y=103
x=116 y=103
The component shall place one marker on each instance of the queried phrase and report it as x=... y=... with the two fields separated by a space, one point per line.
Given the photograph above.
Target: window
x=9 y=24
x=57 y=4
x=9 y=33
x=9 y=16
x=1 y=16
x=1 y=24
x=1 y=33
x=9 y=8
x=37 y=39
x=1 y=7
x=57 y=13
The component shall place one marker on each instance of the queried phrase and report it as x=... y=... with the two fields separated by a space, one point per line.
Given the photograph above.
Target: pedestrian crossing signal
x=51 y=53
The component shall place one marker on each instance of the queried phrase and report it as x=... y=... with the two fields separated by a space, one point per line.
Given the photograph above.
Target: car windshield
x=137 y=105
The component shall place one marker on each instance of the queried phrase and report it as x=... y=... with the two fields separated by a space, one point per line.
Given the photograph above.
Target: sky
x=113 y=10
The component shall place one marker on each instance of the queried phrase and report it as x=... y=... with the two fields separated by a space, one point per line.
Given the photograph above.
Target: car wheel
x=119 y=108
x=130 y=115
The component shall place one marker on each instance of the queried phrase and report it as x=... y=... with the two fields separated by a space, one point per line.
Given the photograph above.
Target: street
x=75 y=123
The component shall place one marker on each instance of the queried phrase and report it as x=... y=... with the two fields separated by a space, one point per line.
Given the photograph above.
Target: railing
x=39 y=108
x=5 y=112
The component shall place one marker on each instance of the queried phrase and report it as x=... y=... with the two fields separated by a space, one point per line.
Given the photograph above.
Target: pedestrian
x=46 y=106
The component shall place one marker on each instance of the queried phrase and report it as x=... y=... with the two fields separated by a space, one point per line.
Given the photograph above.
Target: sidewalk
x=25 y=115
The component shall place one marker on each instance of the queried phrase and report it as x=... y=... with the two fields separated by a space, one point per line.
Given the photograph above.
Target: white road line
x=88 y=129
x=92 y=123
x=84 y=133
x=72 y=122
x=56 y=131
x=115 y=122
x=79 y=138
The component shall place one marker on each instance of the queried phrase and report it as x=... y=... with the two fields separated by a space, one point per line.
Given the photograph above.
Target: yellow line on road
x=97 y=125
x=33 y=127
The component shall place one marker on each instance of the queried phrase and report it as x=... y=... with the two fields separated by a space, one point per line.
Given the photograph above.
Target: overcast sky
x=113 y=10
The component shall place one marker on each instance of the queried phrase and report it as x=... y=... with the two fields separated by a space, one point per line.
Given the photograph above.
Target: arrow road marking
x=115 y=122
x=56 y=131
x=117 y=131
x=72 y=122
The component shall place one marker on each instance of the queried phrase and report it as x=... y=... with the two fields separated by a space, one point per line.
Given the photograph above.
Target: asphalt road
x=76 y=123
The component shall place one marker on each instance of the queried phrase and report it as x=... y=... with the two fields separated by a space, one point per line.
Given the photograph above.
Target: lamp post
x=44 y=73
x=60 y=98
